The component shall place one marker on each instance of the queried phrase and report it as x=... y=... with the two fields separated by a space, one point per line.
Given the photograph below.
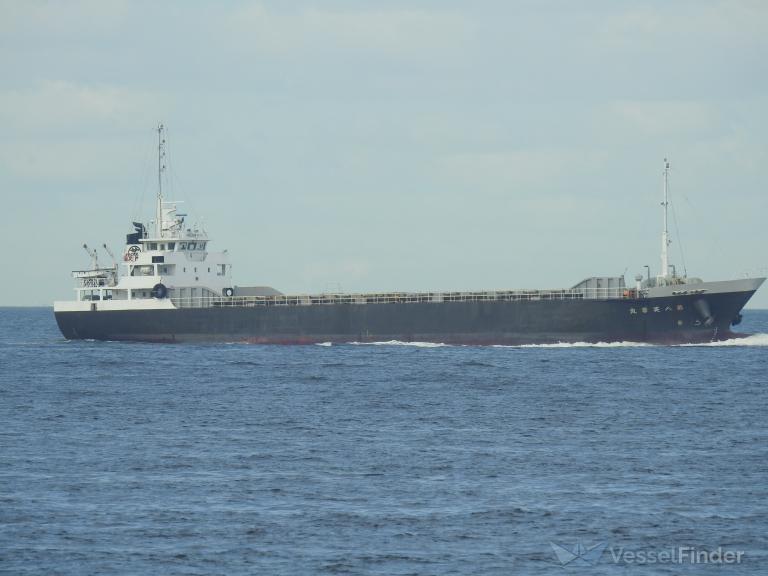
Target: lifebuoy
x=159 y=291
x=229 y=292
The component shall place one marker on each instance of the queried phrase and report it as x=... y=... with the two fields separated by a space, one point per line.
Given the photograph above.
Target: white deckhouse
x=170 y=268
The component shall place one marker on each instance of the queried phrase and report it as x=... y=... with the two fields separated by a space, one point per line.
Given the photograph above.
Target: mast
x=160 y=169
x=665 y=241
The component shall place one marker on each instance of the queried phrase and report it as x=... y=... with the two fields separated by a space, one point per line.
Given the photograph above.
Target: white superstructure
x=172 y=263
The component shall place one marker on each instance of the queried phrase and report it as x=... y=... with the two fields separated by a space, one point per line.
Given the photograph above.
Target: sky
x=377 y=146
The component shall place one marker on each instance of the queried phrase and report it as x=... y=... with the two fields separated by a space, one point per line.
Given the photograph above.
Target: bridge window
x=142 y=271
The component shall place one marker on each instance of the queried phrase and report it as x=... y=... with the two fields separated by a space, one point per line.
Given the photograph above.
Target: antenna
x=94 y=257
x=665 y=241
x=160 y=170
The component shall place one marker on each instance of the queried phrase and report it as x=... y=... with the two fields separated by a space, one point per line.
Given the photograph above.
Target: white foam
x=399 y=343
x=751 y=340
x=577 y=345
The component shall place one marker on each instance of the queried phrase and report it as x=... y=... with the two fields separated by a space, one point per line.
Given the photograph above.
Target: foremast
x=665 y=240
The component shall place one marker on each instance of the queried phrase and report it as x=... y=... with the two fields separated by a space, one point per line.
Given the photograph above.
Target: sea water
x=126 y=458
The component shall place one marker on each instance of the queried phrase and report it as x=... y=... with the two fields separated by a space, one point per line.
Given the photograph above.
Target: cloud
x=255 y=28
x=51 y=106
x=56 y=130
x=523 y=170
x=666 y=117
x=72 y=19
x=732 y=22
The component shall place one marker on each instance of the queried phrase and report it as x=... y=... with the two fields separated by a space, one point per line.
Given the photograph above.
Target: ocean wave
x=323 y=343
x=477 y=364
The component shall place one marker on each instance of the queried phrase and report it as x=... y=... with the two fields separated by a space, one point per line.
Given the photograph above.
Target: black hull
x=666 y=320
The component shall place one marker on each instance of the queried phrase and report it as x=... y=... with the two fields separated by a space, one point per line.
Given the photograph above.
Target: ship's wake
x=759 y=340
x=748 y=340
x=552 y=345
x=577 y=345
x=400 y=343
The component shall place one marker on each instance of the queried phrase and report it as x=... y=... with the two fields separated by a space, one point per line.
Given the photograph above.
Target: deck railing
x=402 y=298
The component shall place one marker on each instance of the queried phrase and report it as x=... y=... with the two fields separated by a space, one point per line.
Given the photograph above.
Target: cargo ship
x=170 y=286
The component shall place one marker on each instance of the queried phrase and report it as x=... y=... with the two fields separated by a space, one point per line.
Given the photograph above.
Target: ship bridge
x=173 y=262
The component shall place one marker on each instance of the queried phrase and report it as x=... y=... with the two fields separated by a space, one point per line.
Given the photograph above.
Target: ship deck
x=402 y=297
